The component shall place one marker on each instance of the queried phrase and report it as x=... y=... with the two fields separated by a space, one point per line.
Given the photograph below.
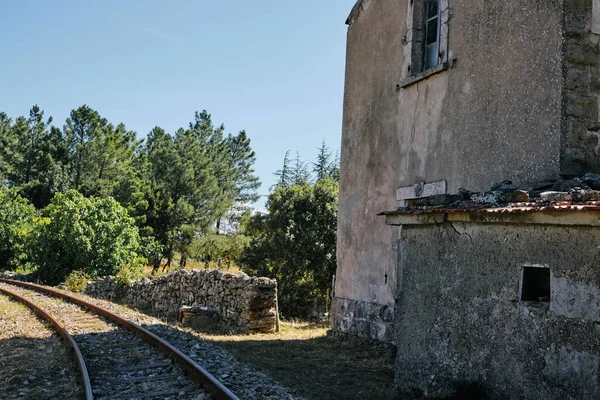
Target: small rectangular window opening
x=535 y=284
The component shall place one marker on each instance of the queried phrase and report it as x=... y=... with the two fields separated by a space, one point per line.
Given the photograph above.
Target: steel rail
x=85 y=377
x=195 y=371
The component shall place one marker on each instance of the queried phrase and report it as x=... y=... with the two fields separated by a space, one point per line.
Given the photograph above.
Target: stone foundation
x=241 y=302
x=362 y=319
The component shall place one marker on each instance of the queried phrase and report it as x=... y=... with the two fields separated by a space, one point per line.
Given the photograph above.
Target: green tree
x=241 y=163
x=81 y=129
x=93 y=235
x=226 y=246
x=17 y=226
x=112 y=154
x=322 y=166
x=334 y=168
x=99 y=153
x=295 y=243
x=224 y=250
x=132 y=189
x=184 y=188
x=284 y=175
x=326 y=164
x=7 y=147
x=231 y=161
x=300 y=171
x=34 y=167
x=196 y=175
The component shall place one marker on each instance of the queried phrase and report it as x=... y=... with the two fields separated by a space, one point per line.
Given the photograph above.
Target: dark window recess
x=536 y=284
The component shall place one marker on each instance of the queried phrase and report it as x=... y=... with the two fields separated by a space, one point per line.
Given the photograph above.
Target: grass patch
x=302 y=357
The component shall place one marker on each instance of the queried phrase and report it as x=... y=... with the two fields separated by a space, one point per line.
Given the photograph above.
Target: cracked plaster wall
x=460 y=318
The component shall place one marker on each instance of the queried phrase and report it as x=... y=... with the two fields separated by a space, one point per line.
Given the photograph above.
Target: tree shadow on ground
x=319 y=367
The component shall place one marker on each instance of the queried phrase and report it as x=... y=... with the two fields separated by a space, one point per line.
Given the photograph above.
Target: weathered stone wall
x=581 y=131
x=241 y=302
x=362 y=319
x=460 y=318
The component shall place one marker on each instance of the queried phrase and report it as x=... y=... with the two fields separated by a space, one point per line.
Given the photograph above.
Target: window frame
x=415 y=63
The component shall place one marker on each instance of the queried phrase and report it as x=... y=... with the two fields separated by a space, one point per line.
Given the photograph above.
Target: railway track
x=117 y=358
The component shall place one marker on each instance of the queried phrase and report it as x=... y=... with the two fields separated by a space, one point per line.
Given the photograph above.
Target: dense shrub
x=93 y=235
x=17 y=227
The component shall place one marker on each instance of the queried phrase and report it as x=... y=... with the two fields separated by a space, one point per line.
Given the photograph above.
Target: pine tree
x=82 y=128
x=322 y=167
x=300 y=173
x=34 y=168
x=242 y=161
x=7 y=147
x=284 y=175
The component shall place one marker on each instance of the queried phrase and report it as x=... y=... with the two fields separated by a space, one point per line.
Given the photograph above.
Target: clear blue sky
x=274 y=68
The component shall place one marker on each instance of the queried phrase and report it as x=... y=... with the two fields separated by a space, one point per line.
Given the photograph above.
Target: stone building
x=460 y=94
x=506 y=298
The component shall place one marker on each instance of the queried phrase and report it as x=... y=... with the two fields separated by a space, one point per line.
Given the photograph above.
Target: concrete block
x=554 y=196
x=421 y=190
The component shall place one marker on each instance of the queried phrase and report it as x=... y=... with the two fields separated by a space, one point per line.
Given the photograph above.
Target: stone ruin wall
x=239 y=301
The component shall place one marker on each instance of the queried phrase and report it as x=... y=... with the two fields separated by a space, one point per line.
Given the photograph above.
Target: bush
x=93 y=235
x=77 y=280
x=129 y=273
x=17 y=228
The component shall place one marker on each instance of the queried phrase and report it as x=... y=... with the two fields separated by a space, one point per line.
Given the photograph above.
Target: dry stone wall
x=239 y=301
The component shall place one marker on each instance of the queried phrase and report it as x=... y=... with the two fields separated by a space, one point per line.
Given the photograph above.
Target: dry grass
x=302 y=357
x=35 y=363
x=191 y=264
